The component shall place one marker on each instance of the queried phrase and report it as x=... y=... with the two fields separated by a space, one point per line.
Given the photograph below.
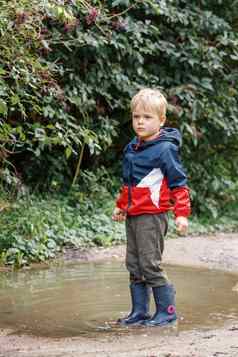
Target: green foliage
x=35 y=229
x=68 y=70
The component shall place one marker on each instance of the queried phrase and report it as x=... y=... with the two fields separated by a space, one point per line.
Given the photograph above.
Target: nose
x=140 y=120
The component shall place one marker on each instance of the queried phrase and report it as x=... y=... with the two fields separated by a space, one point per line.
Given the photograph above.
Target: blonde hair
x=150 y=99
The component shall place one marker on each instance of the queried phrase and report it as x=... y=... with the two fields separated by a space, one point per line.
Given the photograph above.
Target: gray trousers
x=145 y=244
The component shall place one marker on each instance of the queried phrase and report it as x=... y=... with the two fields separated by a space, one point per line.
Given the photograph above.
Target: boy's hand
x=118 y=215
x=182 y=225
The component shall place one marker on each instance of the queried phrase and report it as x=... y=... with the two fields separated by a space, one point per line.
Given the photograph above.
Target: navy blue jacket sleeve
x=171 y=165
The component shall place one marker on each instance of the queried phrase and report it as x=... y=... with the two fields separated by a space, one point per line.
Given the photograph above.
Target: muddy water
x=87 y=298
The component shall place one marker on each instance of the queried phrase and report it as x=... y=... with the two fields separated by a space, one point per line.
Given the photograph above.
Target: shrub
x=69 y=68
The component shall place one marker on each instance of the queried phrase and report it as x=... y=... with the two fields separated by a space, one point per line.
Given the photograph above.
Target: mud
x=218 y=252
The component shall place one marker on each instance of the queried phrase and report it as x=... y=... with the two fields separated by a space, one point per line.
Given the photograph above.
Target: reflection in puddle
x=85 y=299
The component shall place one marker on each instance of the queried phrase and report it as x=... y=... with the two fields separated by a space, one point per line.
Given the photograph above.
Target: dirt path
x=213 y=252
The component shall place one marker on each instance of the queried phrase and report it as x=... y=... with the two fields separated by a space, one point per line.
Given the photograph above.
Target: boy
x=154 y=183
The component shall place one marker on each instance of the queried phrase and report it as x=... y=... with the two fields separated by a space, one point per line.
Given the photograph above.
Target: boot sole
x=166 y=323
x=139 y=322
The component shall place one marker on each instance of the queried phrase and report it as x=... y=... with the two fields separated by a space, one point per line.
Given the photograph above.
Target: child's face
x=146 y=123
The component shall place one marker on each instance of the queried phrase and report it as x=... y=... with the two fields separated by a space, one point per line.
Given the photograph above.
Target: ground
x=213 y=252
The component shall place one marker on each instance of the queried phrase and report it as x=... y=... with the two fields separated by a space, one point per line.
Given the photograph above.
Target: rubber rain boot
x=140 y=296
x=165 y=313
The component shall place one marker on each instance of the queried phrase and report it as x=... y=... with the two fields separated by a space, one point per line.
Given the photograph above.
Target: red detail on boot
x=171 y=309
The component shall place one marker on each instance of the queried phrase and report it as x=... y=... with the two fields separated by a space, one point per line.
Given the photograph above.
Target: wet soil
x=218 y=252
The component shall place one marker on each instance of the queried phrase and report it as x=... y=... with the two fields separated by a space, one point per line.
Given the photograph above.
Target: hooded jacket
x=154 y=180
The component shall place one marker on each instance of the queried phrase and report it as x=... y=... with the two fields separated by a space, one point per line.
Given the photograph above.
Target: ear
x=162 y=120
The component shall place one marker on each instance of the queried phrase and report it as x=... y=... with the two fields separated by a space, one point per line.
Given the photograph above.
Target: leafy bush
x=69 y=68
x=36 y=229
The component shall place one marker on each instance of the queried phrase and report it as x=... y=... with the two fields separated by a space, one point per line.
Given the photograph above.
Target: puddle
x=85 y=299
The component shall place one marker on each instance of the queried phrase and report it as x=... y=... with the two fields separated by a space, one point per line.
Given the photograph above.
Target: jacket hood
x=171 y=134
x=166 y=134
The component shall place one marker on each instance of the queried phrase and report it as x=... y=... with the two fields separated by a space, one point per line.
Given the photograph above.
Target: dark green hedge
x=69 y=68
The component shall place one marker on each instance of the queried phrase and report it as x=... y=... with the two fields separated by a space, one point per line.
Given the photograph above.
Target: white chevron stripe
x=153 y=181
